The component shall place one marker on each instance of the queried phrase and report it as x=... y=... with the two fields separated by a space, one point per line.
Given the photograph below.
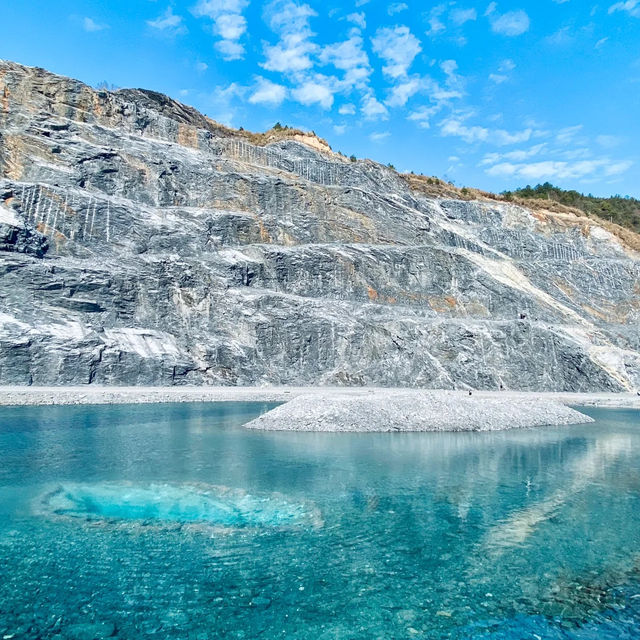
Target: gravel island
x=388 y=411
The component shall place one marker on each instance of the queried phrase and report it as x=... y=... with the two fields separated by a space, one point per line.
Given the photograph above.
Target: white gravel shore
x=427 y=411
x=11 y=395
x=352 y=409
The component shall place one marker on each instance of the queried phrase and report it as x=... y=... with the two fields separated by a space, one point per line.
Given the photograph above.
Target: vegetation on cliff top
x=619 y=215
x=624 y=211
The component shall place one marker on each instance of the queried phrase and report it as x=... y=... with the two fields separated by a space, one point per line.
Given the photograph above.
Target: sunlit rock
x=184 y=252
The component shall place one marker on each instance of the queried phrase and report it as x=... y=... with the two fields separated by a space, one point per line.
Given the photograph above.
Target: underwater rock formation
x=219 y=507
x=142 y=243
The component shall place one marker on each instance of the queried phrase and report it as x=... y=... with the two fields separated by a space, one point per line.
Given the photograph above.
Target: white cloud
x=438 y=94
x=435 y=23
x=574 y=153
x=454 y=82
x=396 y=7
x=608 y=142
x=91 y=25
x=402 y=92
x=568 y=134
x=372 y=109
x=503 y=137
x=339 y=129
x=561 y=37
x=460 y=16
x=313 y=92
x=617 y=168
x=347 y=110
x=201 y=66
x=267 y=92
x=455 y=126
x=632 y=7
x=449 y=67
x=168 y=23
x=293 y=52
x=230 y=26
x=379 y=136
x=349 y=56
x=221 y=100
x=359 y=19
x=601 y=42
x=554 y=169
x=520 y=155
x=512 y=23
x=289 y=17
x=228 y=23
x=503 y=70
x=214 y=8
x=422 y=116
x=491 y=9
x=398 y=47
x=230 y=49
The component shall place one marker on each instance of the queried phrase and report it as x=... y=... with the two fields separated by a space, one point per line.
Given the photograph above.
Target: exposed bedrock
x=142 y=243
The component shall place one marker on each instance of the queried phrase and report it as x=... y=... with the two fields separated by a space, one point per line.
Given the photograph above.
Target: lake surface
x=173 y=521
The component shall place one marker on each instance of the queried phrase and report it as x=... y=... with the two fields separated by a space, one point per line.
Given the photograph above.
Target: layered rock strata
x=142 y=243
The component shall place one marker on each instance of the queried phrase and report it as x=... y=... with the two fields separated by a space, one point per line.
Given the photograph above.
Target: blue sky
x=487 y=94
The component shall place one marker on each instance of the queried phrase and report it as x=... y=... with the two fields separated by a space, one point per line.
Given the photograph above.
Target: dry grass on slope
x=277 y=134
x=436 y=188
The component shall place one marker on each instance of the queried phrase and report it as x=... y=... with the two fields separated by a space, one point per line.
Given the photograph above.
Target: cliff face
x=141 y=243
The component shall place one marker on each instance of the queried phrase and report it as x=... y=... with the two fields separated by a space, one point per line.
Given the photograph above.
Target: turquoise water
x=172 y=521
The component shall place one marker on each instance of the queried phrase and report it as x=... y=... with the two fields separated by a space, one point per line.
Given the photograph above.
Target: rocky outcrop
x=142 y=243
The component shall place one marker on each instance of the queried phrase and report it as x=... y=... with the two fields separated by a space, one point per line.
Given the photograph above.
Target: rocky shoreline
x=94 y=394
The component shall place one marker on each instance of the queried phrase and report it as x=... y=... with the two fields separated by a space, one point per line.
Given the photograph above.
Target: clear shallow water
x=126 y=503
x=172 y=521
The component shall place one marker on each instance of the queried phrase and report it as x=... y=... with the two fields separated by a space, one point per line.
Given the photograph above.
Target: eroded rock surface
x=142 y=243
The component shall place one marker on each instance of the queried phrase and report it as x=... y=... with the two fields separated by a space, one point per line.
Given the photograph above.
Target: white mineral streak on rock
x=507 y=273
x=7 y=322
x=145 y=342
x=8 y=216
x=426 y=411
x=65 y=331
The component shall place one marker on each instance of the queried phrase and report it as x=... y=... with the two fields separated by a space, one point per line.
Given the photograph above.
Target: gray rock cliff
x=142 y=243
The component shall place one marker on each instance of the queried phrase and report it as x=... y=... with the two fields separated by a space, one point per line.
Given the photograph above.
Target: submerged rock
x=414 y=411
x=153 y=503
x=142 y=243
